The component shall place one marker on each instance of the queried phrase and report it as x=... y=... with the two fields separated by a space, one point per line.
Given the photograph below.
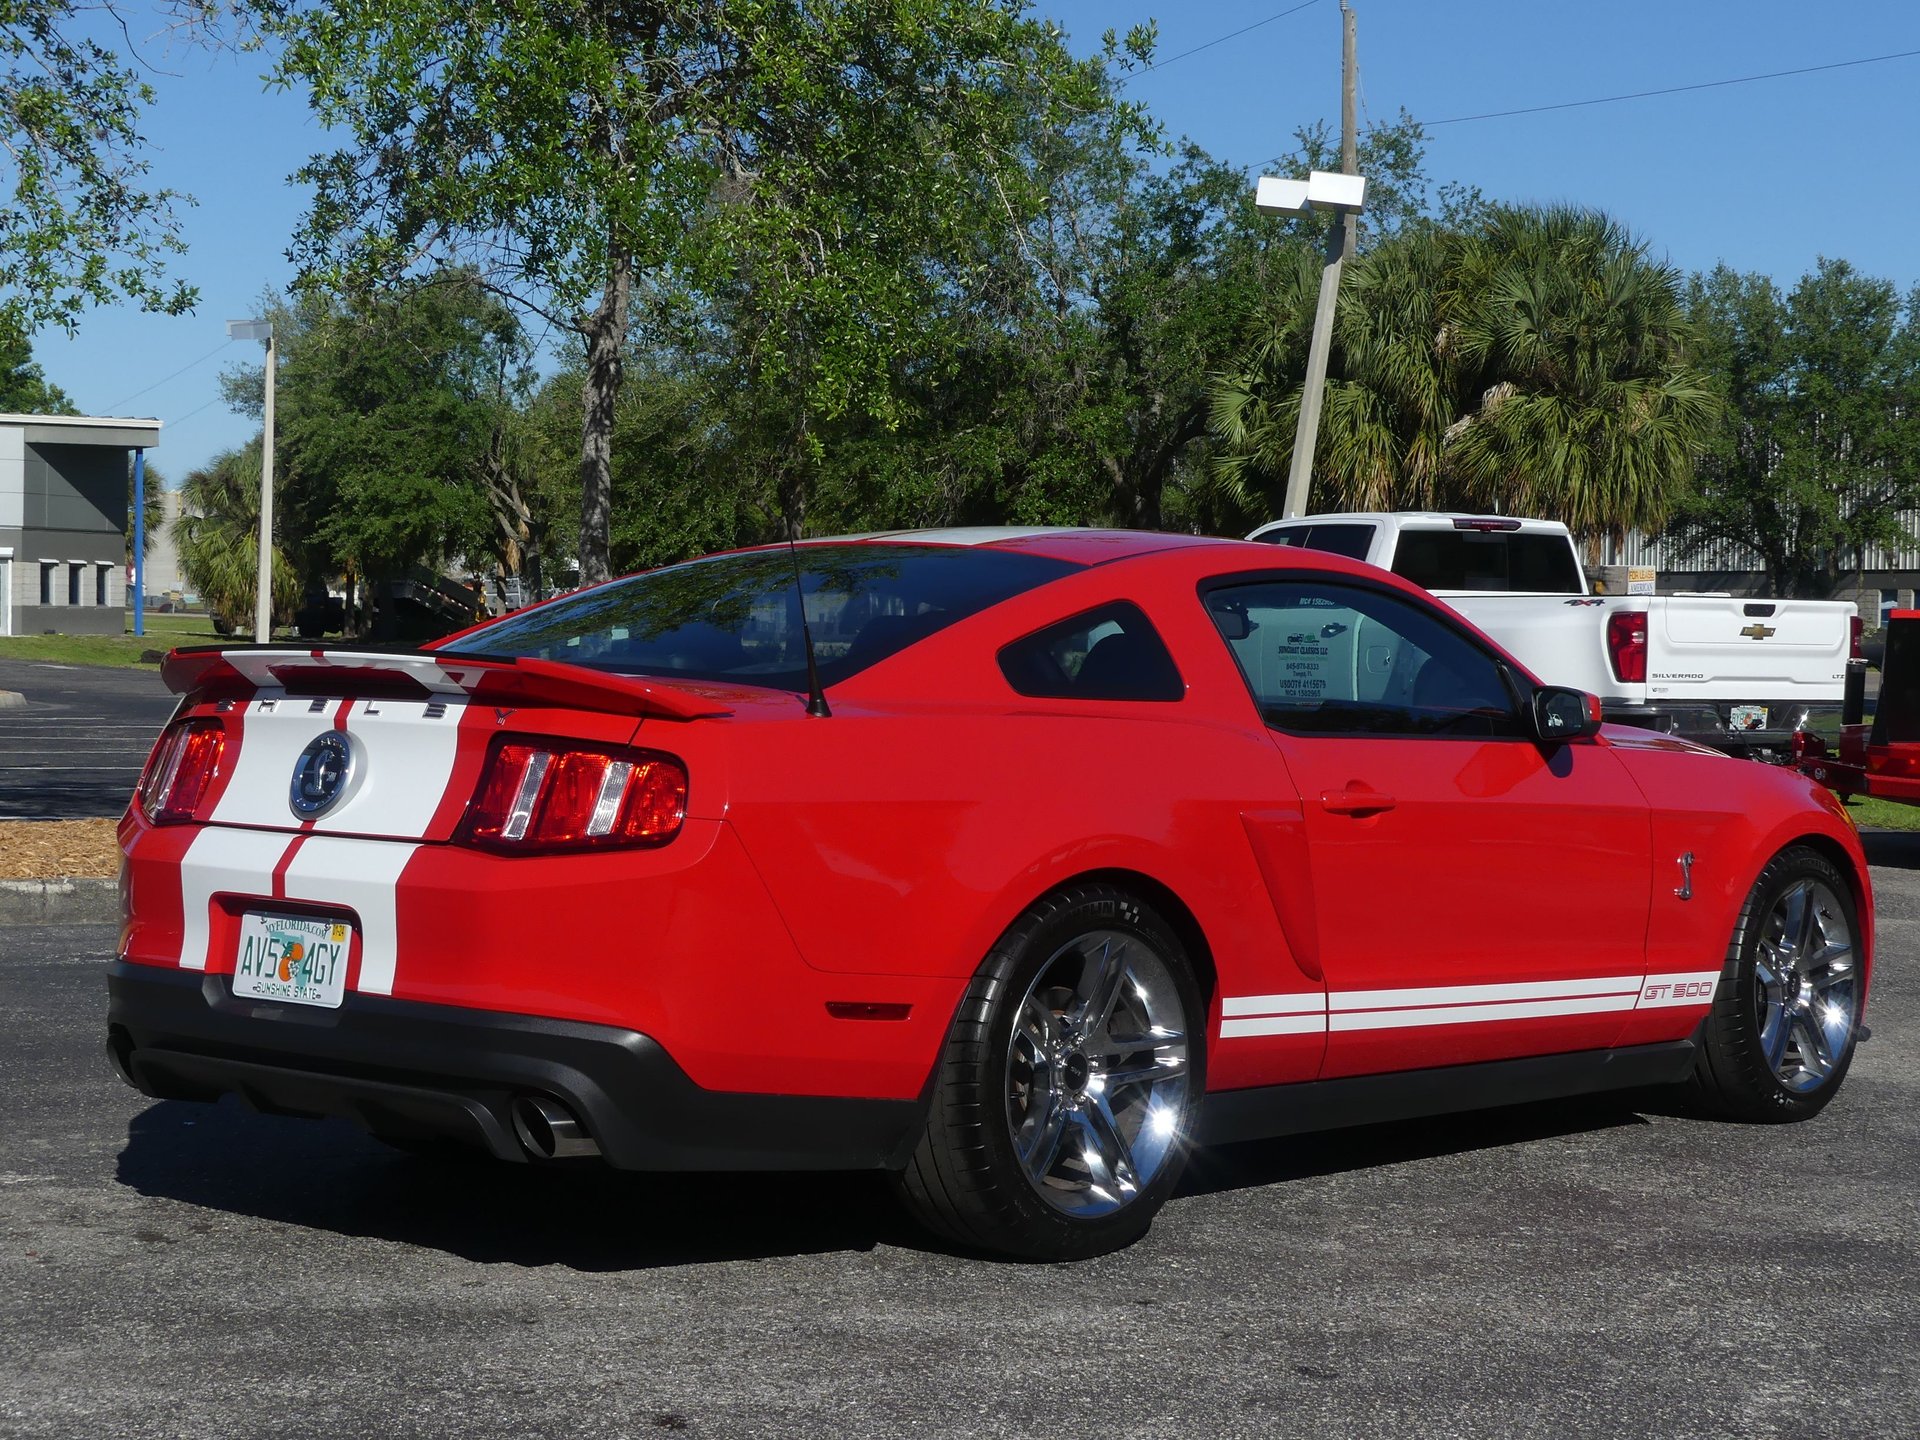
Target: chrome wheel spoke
x=1041 y=1149
x=1810 y=1045
x=1102 y=978
x=1108 y=1157
x=1802 y=923
x=1773 y=1037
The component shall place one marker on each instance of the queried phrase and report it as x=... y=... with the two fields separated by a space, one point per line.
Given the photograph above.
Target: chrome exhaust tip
x=550 y=1131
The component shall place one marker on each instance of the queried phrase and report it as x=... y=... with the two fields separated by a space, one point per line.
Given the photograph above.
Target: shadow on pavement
x=1366 y=1147
x=328 y=1175
x=1898 y=849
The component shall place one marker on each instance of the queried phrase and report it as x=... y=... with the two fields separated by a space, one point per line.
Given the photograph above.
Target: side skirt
x=1227 y=1116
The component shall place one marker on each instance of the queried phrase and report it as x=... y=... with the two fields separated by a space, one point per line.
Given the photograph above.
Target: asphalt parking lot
x=1597 y=1269
x=75 y=749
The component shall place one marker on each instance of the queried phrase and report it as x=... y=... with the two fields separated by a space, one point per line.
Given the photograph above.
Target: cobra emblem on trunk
x=321 y=774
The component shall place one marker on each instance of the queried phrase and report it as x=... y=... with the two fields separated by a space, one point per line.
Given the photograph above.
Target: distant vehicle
x=1082 y=848
x=1740 y=675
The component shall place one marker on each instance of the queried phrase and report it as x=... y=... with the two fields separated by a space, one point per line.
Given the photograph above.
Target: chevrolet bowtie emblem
x=1757 y=632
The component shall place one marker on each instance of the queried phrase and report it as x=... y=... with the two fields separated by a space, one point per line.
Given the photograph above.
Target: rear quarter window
x=1111 y=653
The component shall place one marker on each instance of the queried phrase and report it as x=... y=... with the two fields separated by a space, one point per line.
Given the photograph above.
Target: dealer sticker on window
x=282 y=957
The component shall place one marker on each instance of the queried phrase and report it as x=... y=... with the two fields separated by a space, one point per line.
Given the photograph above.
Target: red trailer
x=1881 y=758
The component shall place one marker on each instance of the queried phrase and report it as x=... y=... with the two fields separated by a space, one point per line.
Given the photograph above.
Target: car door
x=1477 y=896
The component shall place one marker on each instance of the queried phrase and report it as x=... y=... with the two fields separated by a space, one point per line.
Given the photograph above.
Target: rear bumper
x=1712 y=722
x=411 y=1070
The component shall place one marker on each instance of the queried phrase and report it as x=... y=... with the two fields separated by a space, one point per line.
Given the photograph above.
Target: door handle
x=1355 y=800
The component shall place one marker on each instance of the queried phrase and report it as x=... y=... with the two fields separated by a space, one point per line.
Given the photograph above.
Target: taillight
x=185 y=763
x=1627 y=645
x=1855 y=652
x=539 y=796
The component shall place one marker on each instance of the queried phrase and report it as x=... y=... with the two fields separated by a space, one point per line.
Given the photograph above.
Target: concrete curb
x=11 y=700
x=59 y=902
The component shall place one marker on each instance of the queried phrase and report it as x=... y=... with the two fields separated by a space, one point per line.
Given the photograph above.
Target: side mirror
x=1560 y=714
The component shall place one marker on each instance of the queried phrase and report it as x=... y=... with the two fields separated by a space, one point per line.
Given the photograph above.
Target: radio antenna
x=816 y=697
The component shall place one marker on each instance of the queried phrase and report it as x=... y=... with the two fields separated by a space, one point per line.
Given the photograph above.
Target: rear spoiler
x=216 y=672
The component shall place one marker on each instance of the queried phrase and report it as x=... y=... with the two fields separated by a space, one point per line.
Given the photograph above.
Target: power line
x=175 y=376
x=1674 y=89
x=1221 y=40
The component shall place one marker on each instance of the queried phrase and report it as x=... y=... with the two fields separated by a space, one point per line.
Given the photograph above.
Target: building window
x=46 y=582
x=74 y=570
x=100 y=584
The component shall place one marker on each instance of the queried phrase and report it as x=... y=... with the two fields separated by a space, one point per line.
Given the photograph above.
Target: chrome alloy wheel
x=1097 y=1073
x=1805 y=994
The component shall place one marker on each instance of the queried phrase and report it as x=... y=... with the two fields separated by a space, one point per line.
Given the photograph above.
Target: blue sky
x=1766 y=176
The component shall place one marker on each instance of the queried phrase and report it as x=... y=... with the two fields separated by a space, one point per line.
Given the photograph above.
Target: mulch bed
x=53 y=849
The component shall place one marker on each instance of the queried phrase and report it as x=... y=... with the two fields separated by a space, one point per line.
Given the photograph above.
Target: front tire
x=1781 y=1034
x=1069 y=1083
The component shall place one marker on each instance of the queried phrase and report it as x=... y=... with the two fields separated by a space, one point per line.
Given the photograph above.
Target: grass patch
x=126 y=651
x=1872 y=813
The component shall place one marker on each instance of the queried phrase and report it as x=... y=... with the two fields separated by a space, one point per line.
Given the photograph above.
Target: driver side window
x=1324 y=657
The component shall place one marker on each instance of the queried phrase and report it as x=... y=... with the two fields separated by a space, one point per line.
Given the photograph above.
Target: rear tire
x=1068 y=1086
x=1780 y=1036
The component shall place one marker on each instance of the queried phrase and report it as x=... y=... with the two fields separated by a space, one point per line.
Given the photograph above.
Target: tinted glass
x=1325 y=658
x=1112 y=653
x=1350 y=540
x=737 y=617
x=1483 y=560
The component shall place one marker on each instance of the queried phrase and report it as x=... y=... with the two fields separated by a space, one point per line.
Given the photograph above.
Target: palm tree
x=218 y=535
x=1538 y=364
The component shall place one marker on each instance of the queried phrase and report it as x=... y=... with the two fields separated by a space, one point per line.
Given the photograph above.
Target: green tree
x=395 y=420
x=1533 y=362
x=154 y=511
x=218 y=536
x=1818 y=460
x=80 y=227
x=24 y=390
x=593 y=160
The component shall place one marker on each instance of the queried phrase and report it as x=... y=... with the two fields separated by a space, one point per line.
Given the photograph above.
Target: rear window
x=737 y=617
x=1488 y=560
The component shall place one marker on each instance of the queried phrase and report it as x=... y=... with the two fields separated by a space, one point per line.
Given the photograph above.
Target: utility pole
x=1349 y=130
x=262 y=330
x=1340 y=247
x=263 y=596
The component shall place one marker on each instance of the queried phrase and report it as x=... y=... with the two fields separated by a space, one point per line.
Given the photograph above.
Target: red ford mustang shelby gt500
x=1083 y=848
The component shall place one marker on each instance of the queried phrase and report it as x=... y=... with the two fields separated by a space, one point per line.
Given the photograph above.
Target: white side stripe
x=1313 y=1024
x=1301 y=1003
x=1304 y=1013
x=1467 y=1014
x=1480 y=994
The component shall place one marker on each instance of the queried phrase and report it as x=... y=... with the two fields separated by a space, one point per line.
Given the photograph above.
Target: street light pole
x=263 y=573
x=1345 y=196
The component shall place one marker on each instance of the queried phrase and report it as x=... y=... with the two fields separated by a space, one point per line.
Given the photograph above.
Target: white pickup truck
x=1741 y=675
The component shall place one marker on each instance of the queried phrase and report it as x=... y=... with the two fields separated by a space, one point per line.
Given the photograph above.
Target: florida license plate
x=1748 y=717
x=284 y=957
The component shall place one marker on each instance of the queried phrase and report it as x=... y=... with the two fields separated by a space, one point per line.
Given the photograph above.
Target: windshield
x=737 y=617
